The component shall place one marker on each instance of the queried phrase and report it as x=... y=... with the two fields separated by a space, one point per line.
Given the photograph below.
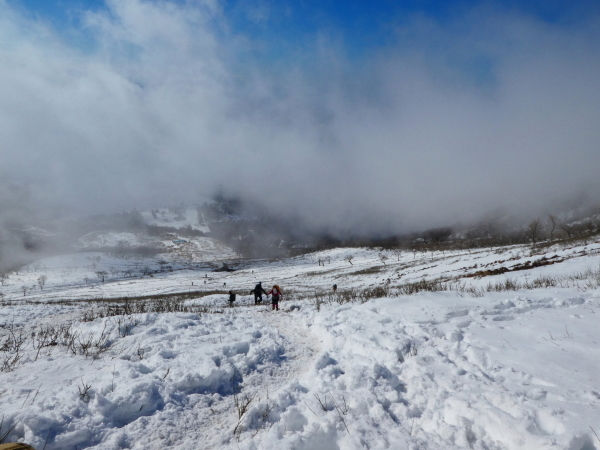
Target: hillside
x=483 y=349
x=181 y=217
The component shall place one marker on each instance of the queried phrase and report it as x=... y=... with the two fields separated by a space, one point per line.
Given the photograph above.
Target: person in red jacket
x=276 y=295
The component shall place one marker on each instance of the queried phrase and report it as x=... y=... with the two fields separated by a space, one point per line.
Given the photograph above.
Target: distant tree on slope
x=534 y=230
x=552 y=221
x=42 y=281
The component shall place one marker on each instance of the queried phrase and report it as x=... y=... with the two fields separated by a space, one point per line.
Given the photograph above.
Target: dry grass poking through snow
x=581 y=281
x=46 y=338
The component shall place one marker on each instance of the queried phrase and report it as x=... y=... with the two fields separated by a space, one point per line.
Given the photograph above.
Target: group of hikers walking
x=258 y=292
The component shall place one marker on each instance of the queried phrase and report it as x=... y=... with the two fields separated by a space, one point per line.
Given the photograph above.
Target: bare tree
x=3 y=278
x=383 y=258
x=568 y=229
x=552 y=223
x=349 y=258
x=25 y=289
x=398 y=252
x=42 y=281
x=101 y=274
x=533 y=230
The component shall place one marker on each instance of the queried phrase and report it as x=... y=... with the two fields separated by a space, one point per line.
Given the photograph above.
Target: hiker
x=231 y=298
x=276 y=293
x=258 y=292
x=334 y=288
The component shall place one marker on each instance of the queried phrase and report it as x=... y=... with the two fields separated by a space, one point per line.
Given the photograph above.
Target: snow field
x=74 y=277
x=168 y=364
x=507 y=370
x=472 y=377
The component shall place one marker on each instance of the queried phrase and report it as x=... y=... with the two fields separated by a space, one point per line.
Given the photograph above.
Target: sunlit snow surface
x=435 y=370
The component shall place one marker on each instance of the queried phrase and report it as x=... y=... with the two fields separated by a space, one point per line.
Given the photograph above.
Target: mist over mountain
x=493 y=111
x=251 y=230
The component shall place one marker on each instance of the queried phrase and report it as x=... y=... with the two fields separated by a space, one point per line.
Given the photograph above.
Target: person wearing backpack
x=258 y=292
x=232 y=296
x=276 y=295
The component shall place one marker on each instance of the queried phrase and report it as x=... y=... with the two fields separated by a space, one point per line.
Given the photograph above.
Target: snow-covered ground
x=476 y=366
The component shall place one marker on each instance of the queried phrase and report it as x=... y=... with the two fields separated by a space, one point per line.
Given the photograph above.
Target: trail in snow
x=423 y=372
x=170 y=383
x=300 y=343
x=508 y=370
x=298 y=348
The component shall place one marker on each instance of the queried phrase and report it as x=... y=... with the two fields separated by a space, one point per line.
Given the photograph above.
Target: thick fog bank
x=162 y=102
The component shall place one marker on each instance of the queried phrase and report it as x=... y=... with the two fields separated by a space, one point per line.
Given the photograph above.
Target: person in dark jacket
x=231 y=298
x=258 y=292
x=276 y=293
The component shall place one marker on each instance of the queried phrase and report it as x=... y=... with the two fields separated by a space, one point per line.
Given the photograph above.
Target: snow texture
x=514 y=369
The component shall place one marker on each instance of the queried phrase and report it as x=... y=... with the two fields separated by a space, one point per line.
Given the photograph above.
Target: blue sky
x=361 y=25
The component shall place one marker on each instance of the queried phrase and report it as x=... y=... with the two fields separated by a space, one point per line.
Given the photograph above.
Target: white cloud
x=169 y=106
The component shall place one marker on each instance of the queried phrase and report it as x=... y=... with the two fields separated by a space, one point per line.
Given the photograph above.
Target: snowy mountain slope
x=100 y=239
x=514 y=369
x=72 y=276
x=199 y=247
x=176 y=218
